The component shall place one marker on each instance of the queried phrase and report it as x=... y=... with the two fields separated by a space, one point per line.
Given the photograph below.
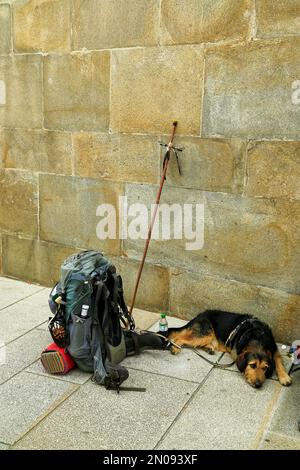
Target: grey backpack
x=88 y=306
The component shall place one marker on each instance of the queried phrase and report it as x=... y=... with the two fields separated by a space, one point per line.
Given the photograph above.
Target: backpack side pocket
x=80 y=342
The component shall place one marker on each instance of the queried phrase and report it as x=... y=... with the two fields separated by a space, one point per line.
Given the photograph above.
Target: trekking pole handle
x=170 y=144
x=173 y=134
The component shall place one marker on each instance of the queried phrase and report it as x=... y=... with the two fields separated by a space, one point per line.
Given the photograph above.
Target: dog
x=248 y=340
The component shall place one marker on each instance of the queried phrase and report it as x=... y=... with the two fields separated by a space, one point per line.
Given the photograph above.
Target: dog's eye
x=253 y=366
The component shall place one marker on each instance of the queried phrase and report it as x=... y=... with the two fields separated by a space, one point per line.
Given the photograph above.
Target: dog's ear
x=242 y=361
x=270 y=369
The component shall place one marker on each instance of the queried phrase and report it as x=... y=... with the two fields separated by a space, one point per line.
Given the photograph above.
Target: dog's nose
x=257 y=384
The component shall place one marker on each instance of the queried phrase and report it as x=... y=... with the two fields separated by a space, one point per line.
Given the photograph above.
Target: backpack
x=96 y=341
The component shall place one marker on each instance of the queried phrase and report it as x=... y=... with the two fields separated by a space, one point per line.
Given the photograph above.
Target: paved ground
x=187 y=405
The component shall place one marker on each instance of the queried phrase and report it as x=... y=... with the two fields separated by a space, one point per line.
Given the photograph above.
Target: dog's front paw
x=209 y=351
x=285 y=380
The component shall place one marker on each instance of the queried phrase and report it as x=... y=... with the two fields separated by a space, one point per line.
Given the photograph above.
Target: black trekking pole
x=169 y=148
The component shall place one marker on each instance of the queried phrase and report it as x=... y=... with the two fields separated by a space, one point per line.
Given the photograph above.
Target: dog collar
x=233 y=334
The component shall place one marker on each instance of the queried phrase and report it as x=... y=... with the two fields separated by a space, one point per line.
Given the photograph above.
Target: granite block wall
x=89 y=87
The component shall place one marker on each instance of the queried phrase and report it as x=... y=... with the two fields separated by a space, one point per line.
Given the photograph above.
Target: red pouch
x=56 y=361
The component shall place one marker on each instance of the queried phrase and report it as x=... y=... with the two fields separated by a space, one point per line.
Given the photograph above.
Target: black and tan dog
x=249 y=341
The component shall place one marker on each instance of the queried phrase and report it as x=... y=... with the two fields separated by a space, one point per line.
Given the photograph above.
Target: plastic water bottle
x=84 y=311
x=163 y=324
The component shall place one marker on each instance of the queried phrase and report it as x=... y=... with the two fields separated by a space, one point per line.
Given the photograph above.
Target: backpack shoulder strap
x=125 y=313
x=115 y=293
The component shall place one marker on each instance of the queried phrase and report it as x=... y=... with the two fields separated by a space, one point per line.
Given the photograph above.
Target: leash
x=214 y=364
x=230 y=338
x=169 y=341
x=237 y=328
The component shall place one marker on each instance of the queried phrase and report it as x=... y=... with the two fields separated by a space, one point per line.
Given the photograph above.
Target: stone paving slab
x=23 y=316
x=287 y=414
x=225 y=413
x=75 y=375
x=44 y=326
x=25 y=399
x=102 y=419
x=3 y=446
x=274 y=441
x=185 y=365
x=13 y=291
x=22 y=352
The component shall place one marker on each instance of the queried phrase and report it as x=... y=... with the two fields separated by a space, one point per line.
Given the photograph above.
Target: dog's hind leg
x=283 y=376
x=198 y=335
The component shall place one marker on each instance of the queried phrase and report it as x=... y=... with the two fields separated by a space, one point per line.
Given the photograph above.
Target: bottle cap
x=84 y=310
x=162 y=315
